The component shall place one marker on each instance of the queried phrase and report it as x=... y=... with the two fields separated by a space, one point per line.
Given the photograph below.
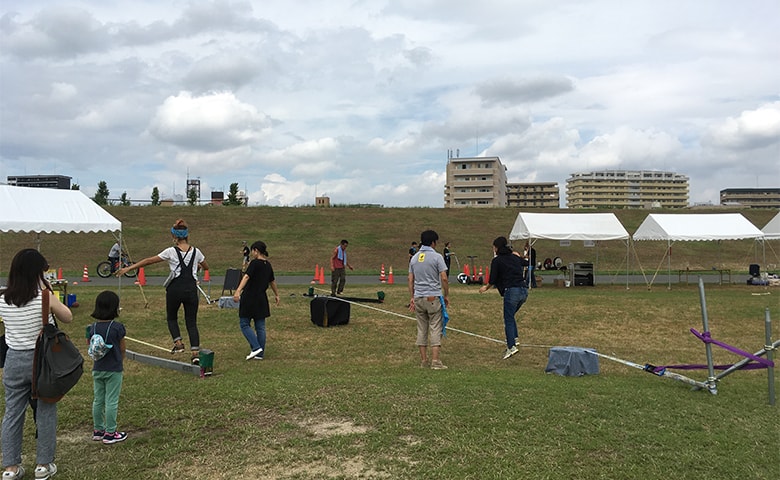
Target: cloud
x=752 y=129
x=508 y=91
x=208 y=123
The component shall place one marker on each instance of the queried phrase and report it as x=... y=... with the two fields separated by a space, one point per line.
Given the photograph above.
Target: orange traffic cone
x=487 y=274
x=59 y=273
x=141 y=277
x=390 y=279
x=85 y=275
x=206 y=276
x=382 y=277
x=321 y=280
x=316 y=274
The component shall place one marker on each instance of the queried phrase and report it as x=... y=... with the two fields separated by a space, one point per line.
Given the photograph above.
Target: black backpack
x=58 y=365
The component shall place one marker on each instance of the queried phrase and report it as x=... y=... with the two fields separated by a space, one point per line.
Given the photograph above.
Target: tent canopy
x=568 y=226
x=696 y=227
x=772 y=229
x=45 y=210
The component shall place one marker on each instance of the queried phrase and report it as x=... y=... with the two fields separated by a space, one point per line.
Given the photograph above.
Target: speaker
x=329 y=312
x=755 y=270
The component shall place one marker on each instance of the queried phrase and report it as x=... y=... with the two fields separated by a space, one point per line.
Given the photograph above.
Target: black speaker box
x=329 y=312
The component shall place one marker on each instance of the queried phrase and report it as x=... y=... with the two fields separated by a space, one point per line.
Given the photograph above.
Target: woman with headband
x=181 y=287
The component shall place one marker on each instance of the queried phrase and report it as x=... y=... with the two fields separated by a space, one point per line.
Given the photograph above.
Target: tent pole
x=711 y=380
x=769 y=356
x=668 y=264
x=628 y=260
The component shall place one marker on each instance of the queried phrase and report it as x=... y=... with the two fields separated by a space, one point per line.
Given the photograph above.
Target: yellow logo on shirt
x=421 y=258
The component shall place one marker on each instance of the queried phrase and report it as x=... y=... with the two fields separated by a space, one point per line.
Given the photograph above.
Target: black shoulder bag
x=57 y=365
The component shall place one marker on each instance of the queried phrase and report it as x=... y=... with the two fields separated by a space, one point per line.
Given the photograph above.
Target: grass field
x=352 y=402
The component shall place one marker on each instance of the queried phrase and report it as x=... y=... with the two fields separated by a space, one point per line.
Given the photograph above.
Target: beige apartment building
x=627 y=189
x=533 y=195
x=751 y=197
x=478 y=182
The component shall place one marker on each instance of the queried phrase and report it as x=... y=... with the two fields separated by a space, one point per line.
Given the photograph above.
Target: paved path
x=218 y=281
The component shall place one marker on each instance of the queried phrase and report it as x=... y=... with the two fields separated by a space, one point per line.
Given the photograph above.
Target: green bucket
x=206 y=358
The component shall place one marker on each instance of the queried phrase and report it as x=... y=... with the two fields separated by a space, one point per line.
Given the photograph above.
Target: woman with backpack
x=106 y=339
x=181 y=287
x=21 y=308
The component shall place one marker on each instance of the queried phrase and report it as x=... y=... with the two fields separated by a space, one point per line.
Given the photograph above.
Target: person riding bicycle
x=113 y=256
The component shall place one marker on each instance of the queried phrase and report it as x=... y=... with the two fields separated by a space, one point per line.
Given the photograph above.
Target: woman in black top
x=251 y=293
x=506 y=275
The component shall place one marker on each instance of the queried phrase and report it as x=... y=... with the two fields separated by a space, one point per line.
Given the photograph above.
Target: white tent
x=569 y=226
x=772 y=229
x=695 y=227
x=45 y=210
x=48 y=210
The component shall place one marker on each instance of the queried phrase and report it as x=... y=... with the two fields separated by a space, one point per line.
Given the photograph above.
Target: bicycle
x=104 y=268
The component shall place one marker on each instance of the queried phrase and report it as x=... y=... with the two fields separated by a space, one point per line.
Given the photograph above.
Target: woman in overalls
x=181 y=287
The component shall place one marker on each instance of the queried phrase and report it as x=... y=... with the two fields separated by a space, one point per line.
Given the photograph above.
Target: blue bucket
x=71 y=299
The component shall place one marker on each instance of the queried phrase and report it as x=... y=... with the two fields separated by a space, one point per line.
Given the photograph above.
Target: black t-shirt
x=254 y=299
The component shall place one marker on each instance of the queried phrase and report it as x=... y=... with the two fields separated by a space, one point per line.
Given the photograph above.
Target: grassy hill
x=299 y=238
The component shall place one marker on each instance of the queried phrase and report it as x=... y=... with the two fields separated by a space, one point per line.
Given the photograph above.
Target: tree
x=101 y=196
x=155 y=197
x=75 y=186
x=123 y=200
x=192 y=197
x=232 y=198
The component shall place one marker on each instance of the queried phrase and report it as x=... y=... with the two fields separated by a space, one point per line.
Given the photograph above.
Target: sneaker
x=46 y=472
x=437 y=365
x=115 y=437
x=510 y=351
x=97 y=435
x=423 y=364
x=196 y=360
x=254 y=354
x=178 y=347
x=259 y=357
x=14 y=475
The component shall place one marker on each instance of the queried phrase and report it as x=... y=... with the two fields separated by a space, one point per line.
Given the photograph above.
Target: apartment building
x=533 y=195
x=751 y=197
x=40 y=181
x=478 y=182
x=627 y=189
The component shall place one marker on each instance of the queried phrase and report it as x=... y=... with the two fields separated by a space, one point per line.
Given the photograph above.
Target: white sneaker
x=510 y=351
x=14 y=476
x=254 y=353
x=44 y=473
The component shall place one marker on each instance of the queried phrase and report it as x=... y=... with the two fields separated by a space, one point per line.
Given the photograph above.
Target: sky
x=362 y=100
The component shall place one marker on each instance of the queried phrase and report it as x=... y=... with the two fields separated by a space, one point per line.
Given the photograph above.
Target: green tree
x=232 y=198
x=123 y=200
x=192 y=197
x=155 y=197
x=75 y=186
x=101 y=196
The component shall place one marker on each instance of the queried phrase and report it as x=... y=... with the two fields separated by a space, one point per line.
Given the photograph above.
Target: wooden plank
x=163 y=362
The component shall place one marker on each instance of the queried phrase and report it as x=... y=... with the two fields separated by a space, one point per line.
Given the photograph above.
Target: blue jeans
x=514 y=298
x=256 y=337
